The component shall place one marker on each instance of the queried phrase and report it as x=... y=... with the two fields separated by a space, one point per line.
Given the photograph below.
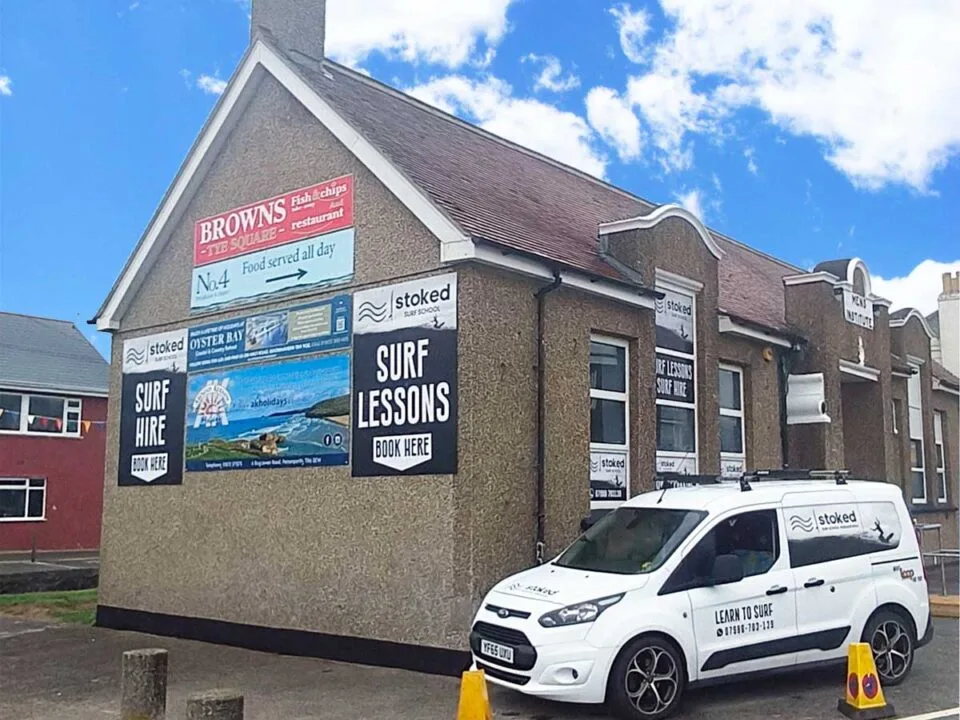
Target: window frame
x=624 y=397
x=740 y=414
x=916 y=434
x=29 y=486
x=941 y=469
x=72 y=413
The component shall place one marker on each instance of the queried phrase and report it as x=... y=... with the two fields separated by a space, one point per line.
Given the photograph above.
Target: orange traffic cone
x=864 y=698
x=474 y=702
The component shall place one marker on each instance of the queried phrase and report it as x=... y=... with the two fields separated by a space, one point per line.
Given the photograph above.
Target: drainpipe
x=541 y=293
x=783 y=370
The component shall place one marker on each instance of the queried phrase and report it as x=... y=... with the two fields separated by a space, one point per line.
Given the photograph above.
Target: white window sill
x=61 y=436
x=22 y=520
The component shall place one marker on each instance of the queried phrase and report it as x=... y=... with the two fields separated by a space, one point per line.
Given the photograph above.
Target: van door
x=746 y=625
x=829 y=543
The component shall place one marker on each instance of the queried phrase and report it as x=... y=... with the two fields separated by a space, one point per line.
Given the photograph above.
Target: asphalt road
x=50 y=672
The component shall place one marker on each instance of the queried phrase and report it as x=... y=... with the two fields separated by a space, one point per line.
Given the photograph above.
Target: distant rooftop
x=49 y=355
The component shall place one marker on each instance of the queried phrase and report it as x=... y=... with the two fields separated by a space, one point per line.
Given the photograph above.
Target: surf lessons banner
x=405 y=378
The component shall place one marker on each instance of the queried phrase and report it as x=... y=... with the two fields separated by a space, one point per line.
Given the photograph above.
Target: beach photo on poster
x=284 y=414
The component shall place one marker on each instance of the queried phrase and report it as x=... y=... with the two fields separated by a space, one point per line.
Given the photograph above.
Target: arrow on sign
x=298 y=274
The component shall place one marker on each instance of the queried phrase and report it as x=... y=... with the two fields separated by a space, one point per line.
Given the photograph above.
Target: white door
x=749 y=624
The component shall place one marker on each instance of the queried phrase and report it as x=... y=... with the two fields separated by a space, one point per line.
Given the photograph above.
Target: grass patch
x=74 y=606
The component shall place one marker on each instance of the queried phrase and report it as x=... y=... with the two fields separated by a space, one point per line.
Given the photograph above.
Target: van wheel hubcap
x=651 y=680
x=891 y=650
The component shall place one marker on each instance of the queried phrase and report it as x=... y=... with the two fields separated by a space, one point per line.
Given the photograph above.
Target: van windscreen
x=631 y=541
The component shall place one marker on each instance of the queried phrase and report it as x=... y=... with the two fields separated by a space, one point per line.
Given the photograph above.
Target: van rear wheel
x=647 y=680
x=893 y=641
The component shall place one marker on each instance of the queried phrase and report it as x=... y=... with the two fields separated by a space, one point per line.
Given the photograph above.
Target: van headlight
x=580 y=612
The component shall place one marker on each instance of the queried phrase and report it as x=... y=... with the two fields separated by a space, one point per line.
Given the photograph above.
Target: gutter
x=541 y=440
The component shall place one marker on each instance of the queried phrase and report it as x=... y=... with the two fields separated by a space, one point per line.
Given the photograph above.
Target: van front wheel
x=647 y=680
x=892 y=641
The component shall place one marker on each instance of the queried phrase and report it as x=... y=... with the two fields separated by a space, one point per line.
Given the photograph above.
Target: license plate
x=494 y=650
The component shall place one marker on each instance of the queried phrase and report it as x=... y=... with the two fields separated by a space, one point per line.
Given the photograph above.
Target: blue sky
x=791 y=129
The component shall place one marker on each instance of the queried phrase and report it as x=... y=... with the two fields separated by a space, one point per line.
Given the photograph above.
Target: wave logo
x=802 y=524
x=373 y=312
x=594 y=466
x=135 y=356
x=661 y=306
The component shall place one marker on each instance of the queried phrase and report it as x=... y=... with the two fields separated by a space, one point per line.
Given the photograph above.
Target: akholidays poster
x=277 y=415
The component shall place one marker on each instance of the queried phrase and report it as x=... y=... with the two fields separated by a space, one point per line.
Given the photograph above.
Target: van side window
x=751 y=536
x=821 y=533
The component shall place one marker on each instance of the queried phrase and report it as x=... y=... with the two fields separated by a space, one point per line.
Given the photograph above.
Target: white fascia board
x=216 y=132
x=54 y=390
x=731 y=326
x=813 y=277
x=914 y=313
x=569 y=278
x=675 y=282
x=864 y=372
x=645 y=222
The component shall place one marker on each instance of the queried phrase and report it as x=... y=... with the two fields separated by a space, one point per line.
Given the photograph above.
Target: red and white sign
x=296 y=215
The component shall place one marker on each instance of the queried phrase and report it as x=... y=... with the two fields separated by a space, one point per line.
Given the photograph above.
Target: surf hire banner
x=262 y=397
x=152 y=395
x=405 y=378
x=301 y=239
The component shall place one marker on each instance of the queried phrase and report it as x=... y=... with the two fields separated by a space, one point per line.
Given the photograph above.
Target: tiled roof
x=945 y=376
x=500 y=192
x=44 y=354
x=933 y=320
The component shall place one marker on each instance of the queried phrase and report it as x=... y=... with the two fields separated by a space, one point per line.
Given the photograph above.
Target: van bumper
x=928 y=633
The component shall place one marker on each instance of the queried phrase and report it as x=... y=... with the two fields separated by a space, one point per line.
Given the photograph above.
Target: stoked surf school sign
x=301 y=239
x=405 y=378
x=152 y=408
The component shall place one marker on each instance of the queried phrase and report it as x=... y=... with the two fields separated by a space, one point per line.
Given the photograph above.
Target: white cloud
x=750 y=155
x=550 y=76
x=692 y=201
x=919 y=288
x=5 y=83
x=633 y=26
x=211 y=84
x=865 y=78
x=434 y=31
x=489 y=102
x=611 y=116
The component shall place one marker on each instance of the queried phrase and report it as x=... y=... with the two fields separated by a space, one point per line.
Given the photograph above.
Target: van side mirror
x=726 y=569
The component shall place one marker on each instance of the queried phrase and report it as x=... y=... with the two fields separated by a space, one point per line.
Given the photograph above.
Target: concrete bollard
x=215 y=705
x=143 y=693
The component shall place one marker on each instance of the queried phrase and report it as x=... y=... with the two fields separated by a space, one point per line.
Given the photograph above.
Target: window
x=609 y=421
x=675 y=374
x=631 y=540
x=732 y=445
x=39 y=414
x=22 y=499
x=918 y=485
x=941 y=462
x=752 y=536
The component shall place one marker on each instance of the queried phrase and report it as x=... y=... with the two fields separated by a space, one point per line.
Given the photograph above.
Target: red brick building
x=53 y=410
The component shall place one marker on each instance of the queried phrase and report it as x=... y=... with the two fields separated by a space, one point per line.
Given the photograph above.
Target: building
x=53 y=410
x=396 y=357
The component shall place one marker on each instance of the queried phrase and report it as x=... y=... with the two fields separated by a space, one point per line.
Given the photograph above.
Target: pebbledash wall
x=242 y=499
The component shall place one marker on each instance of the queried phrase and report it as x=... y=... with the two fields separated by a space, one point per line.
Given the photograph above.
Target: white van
x=705 y=580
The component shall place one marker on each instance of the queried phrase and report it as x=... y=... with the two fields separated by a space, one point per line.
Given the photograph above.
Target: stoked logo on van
x=531 y=589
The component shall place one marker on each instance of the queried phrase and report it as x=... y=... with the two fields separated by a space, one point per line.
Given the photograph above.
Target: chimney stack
x=294 y=25
x=949 y=309
x=951 y=284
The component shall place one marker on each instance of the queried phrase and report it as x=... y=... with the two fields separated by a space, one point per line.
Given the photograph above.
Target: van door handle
x=815 y=582
x=776 y=590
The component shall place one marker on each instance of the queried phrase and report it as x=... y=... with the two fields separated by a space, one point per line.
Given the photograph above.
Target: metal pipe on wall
x=541 y=443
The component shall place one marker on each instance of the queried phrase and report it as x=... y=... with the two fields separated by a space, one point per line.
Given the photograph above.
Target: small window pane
x=608 y=367
x=12 y=503
x=940 y=456
x=675 y=429
x=729 y=389
x=37 y=483
x=45 y=414
x=731 y=434
x=35 y=506
x=942 y=477
x=9 y=411
x=608 y=422
x=916 y=454
x=919 y=491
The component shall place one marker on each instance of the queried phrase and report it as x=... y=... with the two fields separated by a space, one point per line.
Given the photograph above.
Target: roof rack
x=667 y=480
